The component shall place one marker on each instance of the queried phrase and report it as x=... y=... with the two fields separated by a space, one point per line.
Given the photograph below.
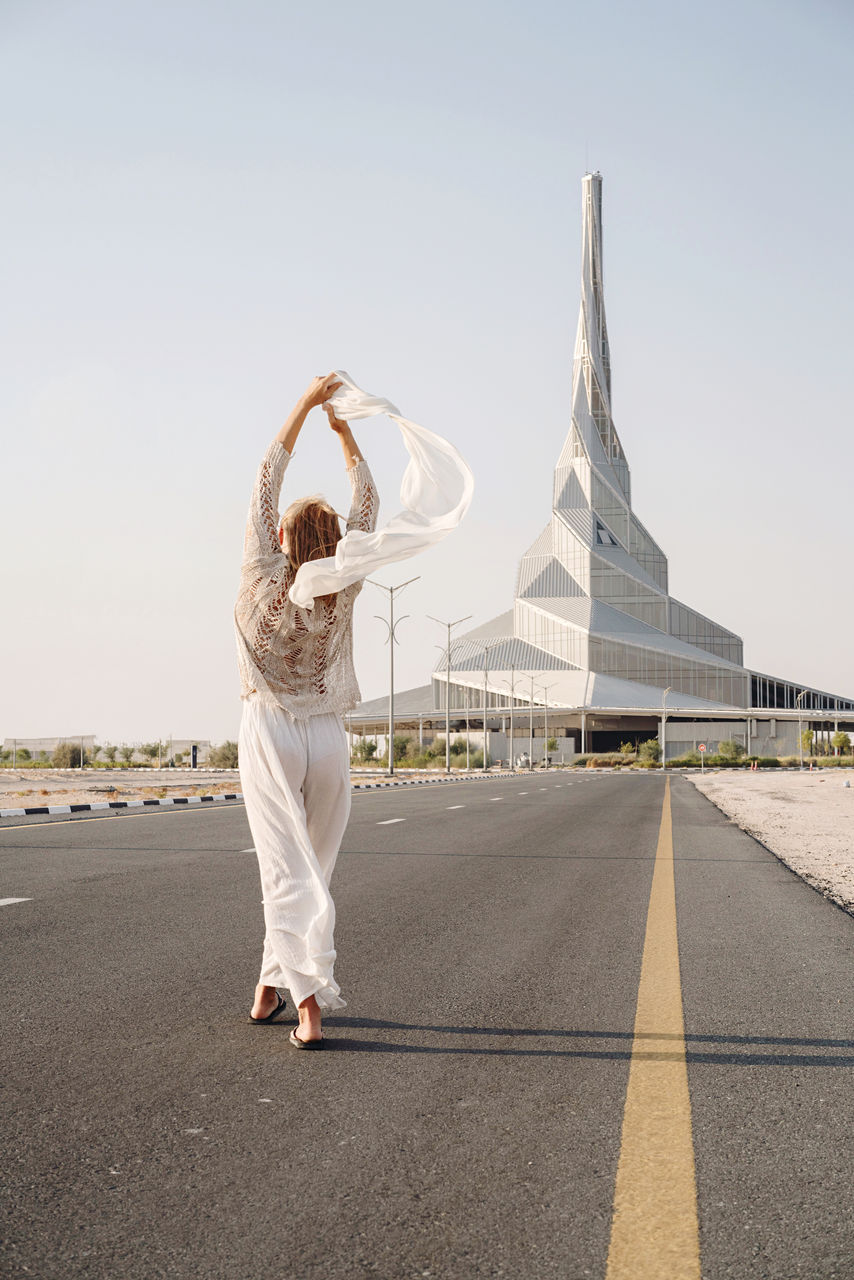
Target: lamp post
x=545 y=690
x=799 y=705
x=450 y=626
x=531 y=721
x=511 y=685
x=392 y=641
x=664 y=726
x=486 y=648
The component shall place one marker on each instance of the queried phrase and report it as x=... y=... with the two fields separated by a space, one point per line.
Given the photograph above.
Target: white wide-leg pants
x=295 y=777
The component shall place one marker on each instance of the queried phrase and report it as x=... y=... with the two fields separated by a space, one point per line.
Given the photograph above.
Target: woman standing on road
x=297 y=678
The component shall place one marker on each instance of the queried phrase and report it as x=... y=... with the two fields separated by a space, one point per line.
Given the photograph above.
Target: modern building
x=594 y=633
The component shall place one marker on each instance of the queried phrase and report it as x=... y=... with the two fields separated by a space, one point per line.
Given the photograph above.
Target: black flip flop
x=304 y=1044
x=271 y=1017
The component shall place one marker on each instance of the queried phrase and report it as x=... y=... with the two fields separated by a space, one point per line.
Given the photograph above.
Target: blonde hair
x=311 y=530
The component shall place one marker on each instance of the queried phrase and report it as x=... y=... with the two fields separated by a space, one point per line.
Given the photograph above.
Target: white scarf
x=436 y=492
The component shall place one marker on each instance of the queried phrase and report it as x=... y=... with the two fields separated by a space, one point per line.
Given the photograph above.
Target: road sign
x=702 y=746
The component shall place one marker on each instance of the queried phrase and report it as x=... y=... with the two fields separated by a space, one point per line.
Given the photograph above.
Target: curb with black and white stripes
x=101 y=805
x=51 y=809
x=430 y=782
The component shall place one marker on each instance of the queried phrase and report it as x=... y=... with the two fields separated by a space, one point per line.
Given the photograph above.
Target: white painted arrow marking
x=7 y=902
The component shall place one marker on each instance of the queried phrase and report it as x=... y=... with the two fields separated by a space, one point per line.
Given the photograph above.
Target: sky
x=206 y=203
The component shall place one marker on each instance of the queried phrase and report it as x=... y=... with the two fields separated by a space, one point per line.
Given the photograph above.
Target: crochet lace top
x=301 y=659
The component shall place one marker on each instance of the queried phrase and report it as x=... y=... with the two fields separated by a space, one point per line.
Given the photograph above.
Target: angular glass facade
x=592 y=593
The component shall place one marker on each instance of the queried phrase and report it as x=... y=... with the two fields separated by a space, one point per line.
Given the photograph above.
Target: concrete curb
x=47 y=810
x=100 y=805
x=431 y=782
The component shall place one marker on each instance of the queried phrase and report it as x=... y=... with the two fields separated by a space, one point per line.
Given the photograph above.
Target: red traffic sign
x=702 y=746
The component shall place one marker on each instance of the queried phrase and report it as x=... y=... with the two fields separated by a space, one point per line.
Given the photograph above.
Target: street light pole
x=449 y=625
x=512 y=701
x=486 y=648
x=392 y=641
x=545 y=690
x=531 y=725
x=664 y=727
x=799 y=705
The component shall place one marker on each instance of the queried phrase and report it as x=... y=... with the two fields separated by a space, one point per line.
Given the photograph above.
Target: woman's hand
x=337 y=424
x=319 y=389
x=352 y=455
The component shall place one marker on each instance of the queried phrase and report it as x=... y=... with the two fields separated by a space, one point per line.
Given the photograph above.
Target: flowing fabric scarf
x=436 y=492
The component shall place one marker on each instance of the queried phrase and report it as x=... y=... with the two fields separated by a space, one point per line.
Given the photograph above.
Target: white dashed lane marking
x=8 y=902
x=523 y=793
x=496 y=797
x=389 y=821
x=456 y=806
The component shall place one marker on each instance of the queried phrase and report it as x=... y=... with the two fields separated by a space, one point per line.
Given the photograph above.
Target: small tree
x=650 y=750
x=225 y=756
x=67 y=756
x=841 y=743
x=364 y=750
x=807 y=741
x=401 y=746
x=729 y=749
x=96 y=751
x=110 y=752
x=627 y=749
x=551 y=744
x=149 y=750
x=127 y=753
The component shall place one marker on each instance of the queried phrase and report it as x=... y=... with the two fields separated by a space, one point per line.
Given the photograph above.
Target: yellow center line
x=654 y=1231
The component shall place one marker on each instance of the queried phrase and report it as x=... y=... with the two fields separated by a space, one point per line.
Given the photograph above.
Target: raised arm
x=262 y=525
x=319 y=389
x=366 y=504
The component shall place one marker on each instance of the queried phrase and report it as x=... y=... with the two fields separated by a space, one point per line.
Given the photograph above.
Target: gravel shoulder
x=806 y=819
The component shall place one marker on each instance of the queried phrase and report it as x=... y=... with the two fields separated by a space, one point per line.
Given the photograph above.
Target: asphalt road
x=465 y=1120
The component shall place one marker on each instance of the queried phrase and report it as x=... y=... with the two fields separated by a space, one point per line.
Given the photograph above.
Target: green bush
x=650 y=750
x=768 y=762
x=729 y=750
x=687 y=761
x=605 y=760
x=224 y=757
x=67 y=756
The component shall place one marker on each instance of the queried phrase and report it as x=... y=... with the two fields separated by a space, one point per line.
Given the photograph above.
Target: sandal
x=304 y=1044
x=271 y=1017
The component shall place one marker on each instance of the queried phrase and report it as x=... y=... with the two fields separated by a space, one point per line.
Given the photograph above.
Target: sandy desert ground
x=806 y=819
